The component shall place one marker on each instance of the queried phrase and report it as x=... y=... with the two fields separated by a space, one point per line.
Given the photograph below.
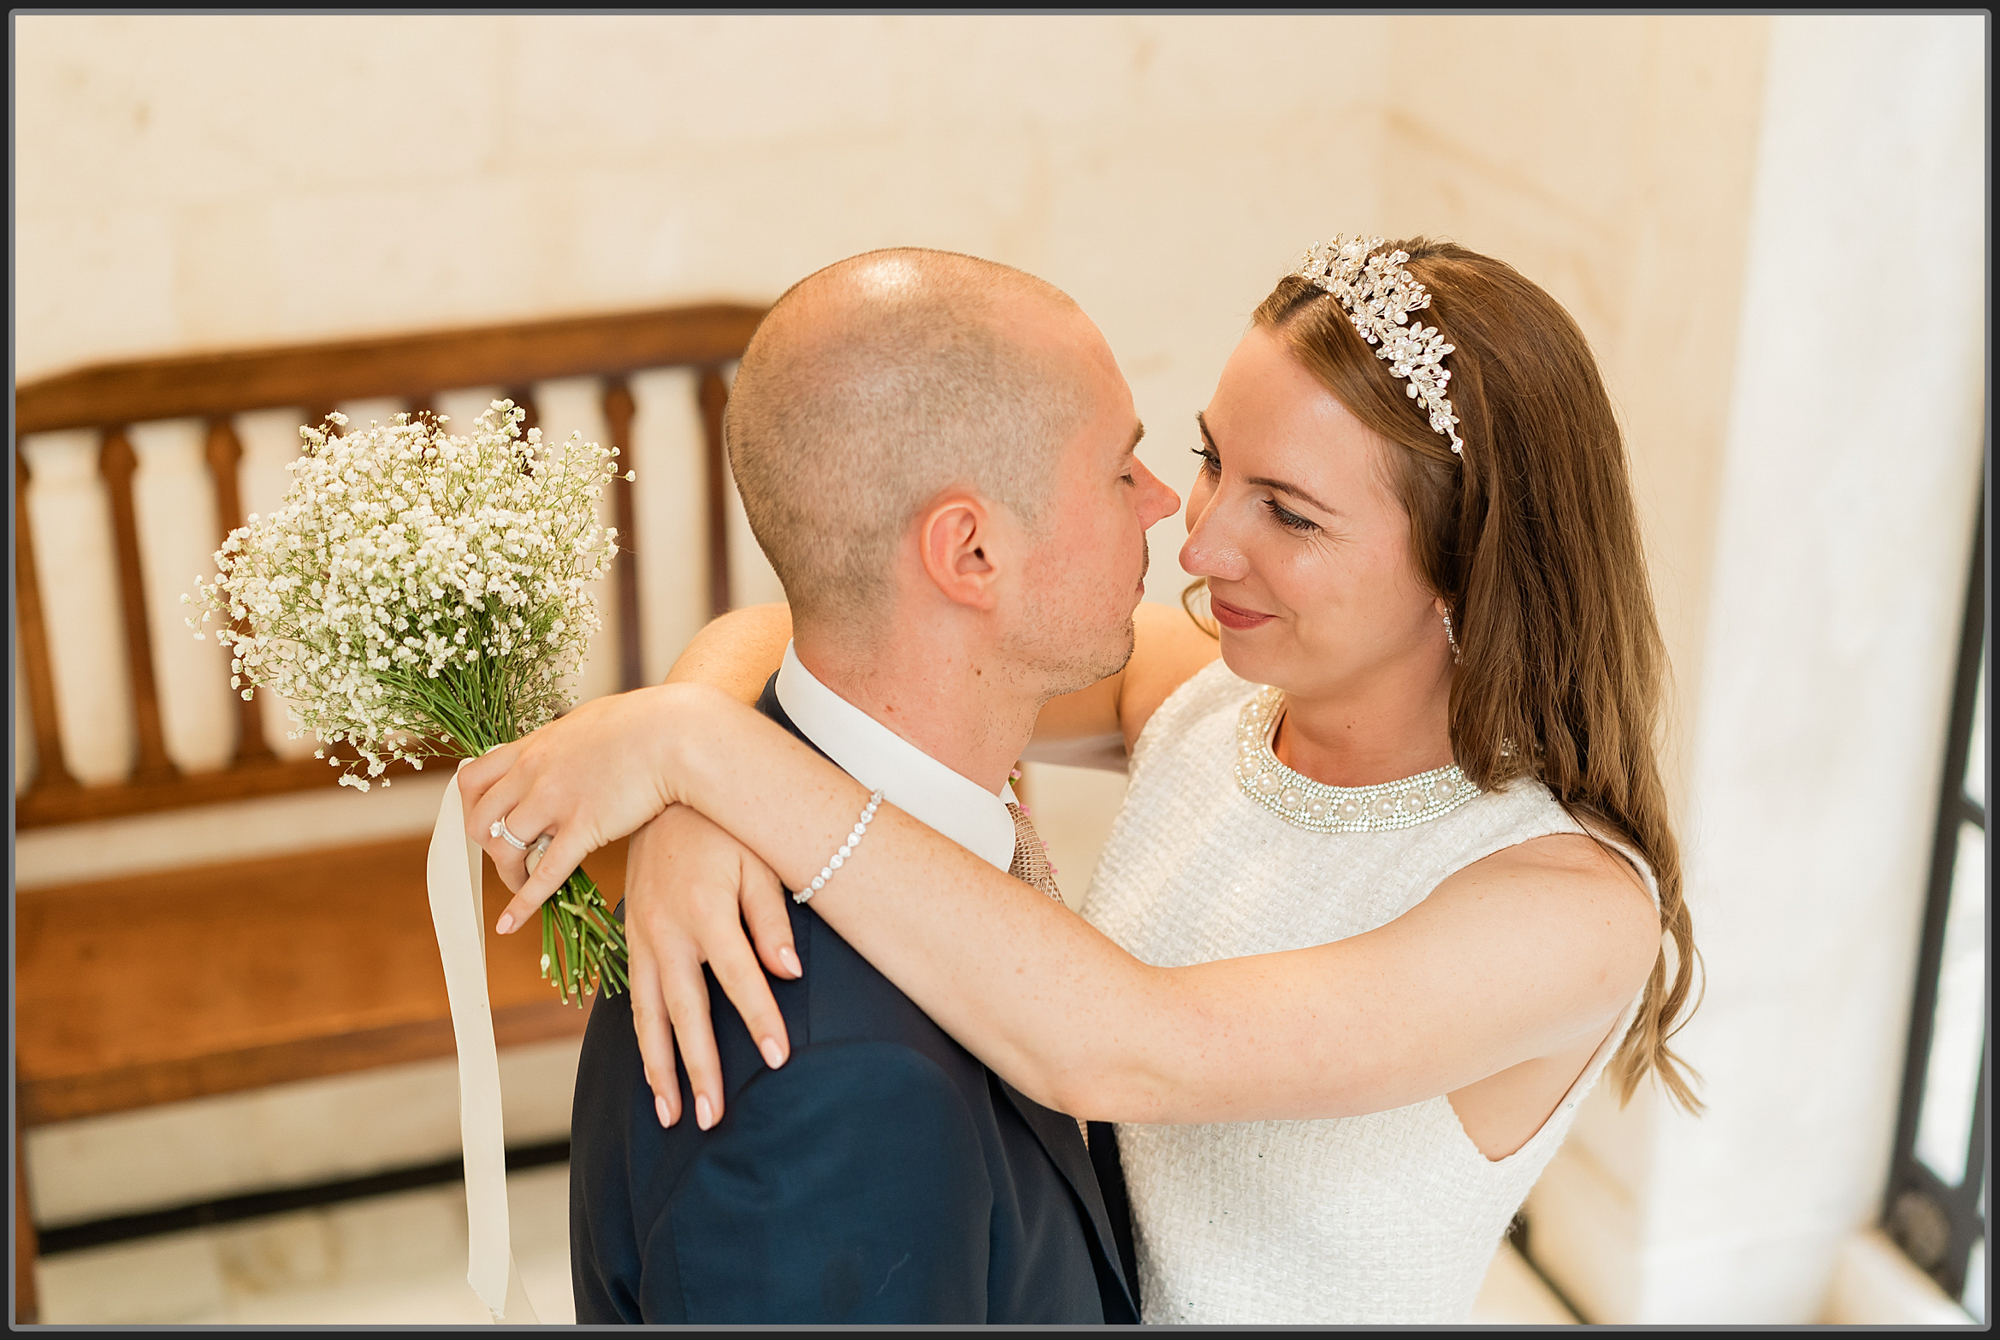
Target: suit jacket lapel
x=1064 y=1145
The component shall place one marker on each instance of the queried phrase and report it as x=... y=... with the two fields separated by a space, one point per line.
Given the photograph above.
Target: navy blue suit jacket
x=883 y=1175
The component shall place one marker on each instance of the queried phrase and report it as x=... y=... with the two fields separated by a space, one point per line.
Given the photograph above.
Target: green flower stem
x=583 y=946
x=548 y=942
x=593 y=953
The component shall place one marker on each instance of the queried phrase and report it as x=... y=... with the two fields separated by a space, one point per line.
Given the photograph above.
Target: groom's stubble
x=1071 y=648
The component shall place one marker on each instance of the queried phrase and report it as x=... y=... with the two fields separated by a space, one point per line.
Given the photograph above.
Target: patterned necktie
x=1031 y=858
x=1031 y=865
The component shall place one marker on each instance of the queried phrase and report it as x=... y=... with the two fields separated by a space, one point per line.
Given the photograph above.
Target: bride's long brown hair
x=1532 y=539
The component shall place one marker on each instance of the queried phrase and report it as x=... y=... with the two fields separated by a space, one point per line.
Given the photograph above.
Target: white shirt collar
x=907 y=777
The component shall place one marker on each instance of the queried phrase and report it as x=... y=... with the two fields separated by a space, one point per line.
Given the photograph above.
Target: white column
x=1849 y=494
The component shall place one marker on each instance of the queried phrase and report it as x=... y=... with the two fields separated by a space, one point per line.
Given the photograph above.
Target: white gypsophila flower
x=419 y=593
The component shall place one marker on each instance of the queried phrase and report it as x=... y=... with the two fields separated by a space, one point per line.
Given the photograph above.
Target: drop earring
x=1451 y=637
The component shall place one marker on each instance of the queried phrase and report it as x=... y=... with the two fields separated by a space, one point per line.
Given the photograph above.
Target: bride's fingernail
x=704 y=1115
x=660 y=1109
x=791 y=961
x=505 y=924
x=772 y=1056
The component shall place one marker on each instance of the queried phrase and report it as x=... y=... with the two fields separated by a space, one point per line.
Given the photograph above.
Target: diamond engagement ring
x=499 y=830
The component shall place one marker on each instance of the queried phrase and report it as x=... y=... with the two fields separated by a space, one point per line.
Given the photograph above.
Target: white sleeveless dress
x=1221 y=851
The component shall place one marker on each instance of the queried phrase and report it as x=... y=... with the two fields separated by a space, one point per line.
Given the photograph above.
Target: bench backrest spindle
x=225 y=458
x=714 y=398
x=618 y=411
x=117 y=463
x=524 y=398
x=52 y=775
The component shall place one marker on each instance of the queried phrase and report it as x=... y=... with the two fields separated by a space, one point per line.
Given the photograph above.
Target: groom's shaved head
x=879 y=383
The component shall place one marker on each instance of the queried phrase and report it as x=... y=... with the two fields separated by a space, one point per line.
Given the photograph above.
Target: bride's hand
x=589 y=778
x=690 y=888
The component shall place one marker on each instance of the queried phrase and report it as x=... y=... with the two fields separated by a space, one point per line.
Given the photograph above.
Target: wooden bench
x=182 y=983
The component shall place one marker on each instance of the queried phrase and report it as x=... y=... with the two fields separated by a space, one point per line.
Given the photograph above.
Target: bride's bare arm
x=1518 y=957
x=736 y=652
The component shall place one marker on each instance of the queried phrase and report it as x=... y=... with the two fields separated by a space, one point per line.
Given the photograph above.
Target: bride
x=1393 y=882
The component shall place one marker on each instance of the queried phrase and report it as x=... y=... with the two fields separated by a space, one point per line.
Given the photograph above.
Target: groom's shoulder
x=846 y=999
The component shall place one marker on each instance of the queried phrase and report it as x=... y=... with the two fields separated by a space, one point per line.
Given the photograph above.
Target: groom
x=937 y=455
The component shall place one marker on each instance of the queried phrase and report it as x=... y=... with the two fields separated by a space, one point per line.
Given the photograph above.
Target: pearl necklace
x=1305 y=803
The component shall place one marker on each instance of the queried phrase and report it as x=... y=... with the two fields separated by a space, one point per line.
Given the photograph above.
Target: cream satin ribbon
x=460 y=919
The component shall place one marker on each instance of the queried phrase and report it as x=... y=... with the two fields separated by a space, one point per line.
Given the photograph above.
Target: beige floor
x=401 y=1260
x=397 y=1259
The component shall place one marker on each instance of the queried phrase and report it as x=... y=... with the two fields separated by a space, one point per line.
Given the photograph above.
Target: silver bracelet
x=846 y=850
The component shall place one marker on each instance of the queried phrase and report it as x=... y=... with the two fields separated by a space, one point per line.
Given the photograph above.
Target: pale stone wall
x=1849 y=493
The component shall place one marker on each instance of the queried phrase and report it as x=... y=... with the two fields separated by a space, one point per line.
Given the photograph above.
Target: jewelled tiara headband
x=1379 y=296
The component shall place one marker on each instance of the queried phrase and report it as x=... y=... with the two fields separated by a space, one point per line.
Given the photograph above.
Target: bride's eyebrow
x=1278 y=484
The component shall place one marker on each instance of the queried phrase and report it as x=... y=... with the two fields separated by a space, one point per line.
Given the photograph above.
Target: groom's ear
x=955 y=540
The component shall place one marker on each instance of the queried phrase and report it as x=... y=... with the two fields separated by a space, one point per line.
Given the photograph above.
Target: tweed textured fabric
x=1387 y=1218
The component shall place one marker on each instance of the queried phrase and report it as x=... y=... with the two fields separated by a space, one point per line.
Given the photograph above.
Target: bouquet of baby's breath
x=422 y=595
